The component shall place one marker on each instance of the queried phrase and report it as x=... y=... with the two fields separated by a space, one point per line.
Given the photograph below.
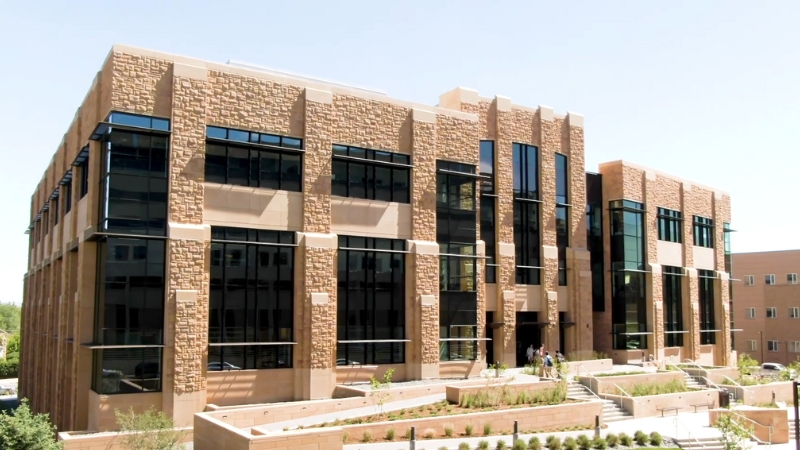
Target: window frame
x=670 y=225
x=752 y=345
x=771 y=312
x=706 y=295
x=794 y=347
x=487 y=195
x=562 y=209
x=791 y=278
x=400 y=163
x=750 y=312
x=773 y=346
x=769 y=279
x=703 y=231
x=749 y=280
x=794 y=312
x=672 y=283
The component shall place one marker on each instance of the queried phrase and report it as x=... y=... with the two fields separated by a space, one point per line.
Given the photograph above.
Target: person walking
x=540 y=359
x=530 y=353
x=548 y=365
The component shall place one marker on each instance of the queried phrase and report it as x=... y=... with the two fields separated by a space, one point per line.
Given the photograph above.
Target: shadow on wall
x=247 y=387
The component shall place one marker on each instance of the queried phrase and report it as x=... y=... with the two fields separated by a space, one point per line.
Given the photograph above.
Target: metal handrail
x=594 y=378
x=735 y=383
x=626 y=394
x=677 y=421
x=769 y=428
x=708 y=382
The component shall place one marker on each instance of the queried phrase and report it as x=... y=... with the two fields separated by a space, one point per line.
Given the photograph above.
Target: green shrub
x=448 y=430
x=464 y=446
x=469 y=429
x=25 y=430
x=487 y=429
x=534 y=444
x=641 y=438
x=519 y=444
x=366 y=437
x=625 y=440
x=655 y=388
x=655 y=439
x=584 y=443
x=390 y=434
x=599 y=443
x=9 y=368
x=483 y=445
x=612 y=440
x=501 y=445
x=570 y=443
x=553 y=443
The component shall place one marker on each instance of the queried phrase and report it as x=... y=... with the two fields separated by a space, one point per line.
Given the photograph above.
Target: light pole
x=761 y=344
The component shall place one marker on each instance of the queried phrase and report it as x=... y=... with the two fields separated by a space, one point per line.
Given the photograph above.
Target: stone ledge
x=504 y=249
x=420 y=115
x=423 y=247
x=318 y=240
x=189 y=232
x=549 y=252
x=191 y=72
x=319 y=96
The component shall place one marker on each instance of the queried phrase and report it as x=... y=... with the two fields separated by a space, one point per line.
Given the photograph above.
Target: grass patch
x=504 y=397
x=767 y=405
x=619 y=374
x=645 y=389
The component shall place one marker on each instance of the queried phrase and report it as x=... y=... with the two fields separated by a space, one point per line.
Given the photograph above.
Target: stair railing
x=752 y=433
x=619 y=388
x=735 y=383
x=593 y=383
x=688 y=432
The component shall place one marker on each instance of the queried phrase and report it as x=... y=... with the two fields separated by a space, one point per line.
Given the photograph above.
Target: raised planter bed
x=590 y=365
x=82 y=440
x=762 y=393
x=778 y=419
x=652 y=405
x=456 y=393
x=606 y=383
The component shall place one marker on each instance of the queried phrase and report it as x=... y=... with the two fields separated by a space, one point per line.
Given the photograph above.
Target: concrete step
x=700 y=444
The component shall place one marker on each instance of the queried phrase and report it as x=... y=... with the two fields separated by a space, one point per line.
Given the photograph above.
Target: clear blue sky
x=706 y=90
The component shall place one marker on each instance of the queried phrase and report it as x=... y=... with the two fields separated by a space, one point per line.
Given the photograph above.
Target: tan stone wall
x=651 y=405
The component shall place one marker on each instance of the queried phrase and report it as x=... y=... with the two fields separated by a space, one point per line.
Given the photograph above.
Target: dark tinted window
x=371 y=174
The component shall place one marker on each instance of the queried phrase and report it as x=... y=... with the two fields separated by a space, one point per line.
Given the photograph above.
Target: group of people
x=542 y=358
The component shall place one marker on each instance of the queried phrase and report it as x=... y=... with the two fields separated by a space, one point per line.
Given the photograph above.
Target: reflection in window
x=457 y=237
x=706 y=296
x=371 y=300
x=673 y=306
x=251 y=298
x=670 y=223
x=134 y=184
x=371 y=174
x=627 y=275
x=126 y=371
x=256 y=167
x=526 y=242
x=487 y=167
x=703 y=232
x=526 y=171
x=594 y=231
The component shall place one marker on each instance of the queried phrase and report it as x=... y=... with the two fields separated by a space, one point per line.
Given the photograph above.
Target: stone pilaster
x=551 y=135
x=691 y=308
x=723 y=319
x=655 y=310
x=186 y=306
x=579 y=282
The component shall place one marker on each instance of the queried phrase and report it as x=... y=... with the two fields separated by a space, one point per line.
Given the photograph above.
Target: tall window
x=134 y=184
x=707 y=323
x=703 y=232
x=673 y=309
x=456 y=234
x=562 y=216
x=628 y=275
x=371 y=301
x=488 y=210
x=129 y=308
x=83 y=170
x=594 y=238
x=669 y=225
x=251 y=302
x=253 y=159
x=67 y=188
x=54 y=208
x=526 y=213
x=372 y=174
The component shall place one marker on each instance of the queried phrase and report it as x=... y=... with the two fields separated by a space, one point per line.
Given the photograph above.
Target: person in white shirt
x=530 y=354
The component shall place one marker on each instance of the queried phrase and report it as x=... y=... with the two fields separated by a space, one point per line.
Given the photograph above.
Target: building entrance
x=529 y=332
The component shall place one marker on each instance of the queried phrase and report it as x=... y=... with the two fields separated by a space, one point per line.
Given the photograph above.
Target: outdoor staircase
x=692 y=383
x=791 y=429
x=700 y=444
x=611 y=411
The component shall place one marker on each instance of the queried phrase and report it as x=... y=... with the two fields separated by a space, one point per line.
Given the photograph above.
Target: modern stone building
x=218 y=234
x=767 y=306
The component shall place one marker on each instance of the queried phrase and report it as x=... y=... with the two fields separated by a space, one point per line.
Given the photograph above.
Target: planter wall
x=762 y=393
x=715 y=375
x=455 y=393
x=81 y=440
x=212 y=434
x=649 y=406
x=778 y=419
x=605 y=385
x=538 y=417
x=591 y=365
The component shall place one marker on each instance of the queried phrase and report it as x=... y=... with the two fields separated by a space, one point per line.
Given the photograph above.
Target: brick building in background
x=767 y=306
x=214 y=233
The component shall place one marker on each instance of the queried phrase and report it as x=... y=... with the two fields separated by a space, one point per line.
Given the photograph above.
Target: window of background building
x=629 y=315
x=56 y=212
x=488 y=209
x=707 y=322
x=794 y=312
x=670 y=223
x=749 y=280
x=752 y=345
x=772 y=313
x=251 y=299
x=703 y=232
x=67 y=188
x=371 y=174
x=456 y=219
x=673 y=310
x=772 y=346
x=83 y=170
x=794 y=346
x=594 y=238
x=751 y=313
x=526 y=213
x=370 y=301
x=253 y=159
x=46 y=221
x=791 y=278
x=562 y=215
x=769 y=279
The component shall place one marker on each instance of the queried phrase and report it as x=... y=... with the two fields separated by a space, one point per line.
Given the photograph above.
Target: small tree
x=22 y=429
x=150 y=430
x=746 y=364
x=734 y=435
x=381 y=389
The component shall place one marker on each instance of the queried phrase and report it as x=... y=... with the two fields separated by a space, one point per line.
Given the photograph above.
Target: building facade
x=215 y=234
x=767 y=305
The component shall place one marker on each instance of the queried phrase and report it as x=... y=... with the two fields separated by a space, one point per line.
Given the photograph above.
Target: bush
x=534 y=444
x=464 y=446
x=655 y=439
x=625 y=440
x=483 y=445
x=448 y=430
x=390 y=434
x=25 y=430
x=444 y=447
x=519 y=444
x=655 y=388
x=366 y=437
x=612 y=440
x=584 y=443
x=150 y=430
x=429 y=433
x=599 y=443
x=9 y=368
x=501 y=445
x=570 y=444
x=469 y=429
x=553 y=443
x=487 y=429
x=641 y=438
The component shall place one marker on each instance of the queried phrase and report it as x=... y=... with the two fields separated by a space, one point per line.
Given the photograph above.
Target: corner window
x=703 y=232
x=371 y=174
x=772 y=313
x=670 y=223
x=769 y=280
x=253 y=159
